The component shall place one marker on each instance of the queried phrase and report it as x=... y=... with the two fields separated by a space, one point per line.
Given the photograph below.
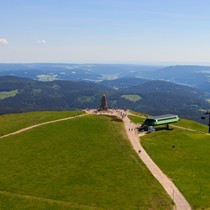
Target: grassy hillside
x=136 y=119
x=83 y=163
x=187 y=164
x=192 y=125
x=13 y=122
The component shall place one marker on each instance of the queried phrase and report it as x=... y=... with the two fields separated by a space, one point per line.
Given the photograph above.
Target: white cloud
x=3 y=42
x=42 y=41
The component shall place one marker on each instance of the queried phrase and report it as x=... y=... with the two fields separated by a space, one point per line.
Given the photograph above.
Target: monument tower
x=103 y=106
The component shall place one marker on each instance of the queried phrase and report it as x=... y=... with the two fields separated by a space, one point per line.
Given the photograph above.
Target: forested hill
x=20 y=95
x=153 y=97
x=194 y=76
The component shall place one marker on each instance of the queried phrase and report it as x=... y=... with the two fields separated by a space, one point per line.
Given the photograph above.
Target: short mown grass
x=138 y=114
x=13 y=122
x=192 y=125
x=10 y=202
x=87 y=162
x=184 y=157
x=136 y=119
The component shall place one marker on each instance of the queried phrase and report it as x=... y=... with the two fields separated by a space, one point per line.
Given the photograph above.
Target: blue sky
x=105 y=31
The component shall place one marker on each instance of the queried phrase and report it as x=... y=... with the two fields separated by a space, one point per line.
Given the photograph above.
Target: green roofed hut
x=159 y=120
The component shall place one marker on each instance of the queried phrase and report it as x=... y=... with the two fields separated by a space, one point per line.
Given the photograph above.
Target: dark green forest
x=157 y=97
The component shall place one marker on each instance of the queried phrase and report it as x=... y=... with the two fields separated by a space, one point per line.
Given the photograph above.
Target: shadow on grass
x=116 y=119
x=163 y=128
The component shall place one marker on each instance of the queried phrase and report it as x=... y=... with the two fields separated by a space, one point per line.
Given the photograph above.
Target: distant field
x=13 y=122
x=7 y=94
x=187 y=164
x=133 y=98
x=83 y=163
x=46 y=77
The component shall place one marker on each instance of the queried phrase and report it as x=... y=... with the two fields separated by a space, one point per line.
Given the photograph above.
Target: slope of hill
x=159 y=86
x=83 y=163
x=55 y=95
x=182 y=153
x=184 y=156
x=13 y=122
x=195 y=76
x=123 y=83
x=160 y=97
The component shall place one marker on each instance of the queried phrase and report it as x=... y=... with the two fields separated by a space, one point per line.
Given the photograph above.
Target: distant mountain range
x=153 y=97
x=193 y=76
x=123 y=83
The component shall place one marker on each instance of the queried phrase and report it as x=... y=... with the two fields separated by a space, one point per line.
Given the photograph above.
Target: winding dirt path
x=40 y=124
x=179 y=200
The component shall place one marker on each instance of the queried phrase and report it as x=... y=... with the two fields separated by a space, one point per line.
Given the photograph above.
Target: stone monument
x=103 y=106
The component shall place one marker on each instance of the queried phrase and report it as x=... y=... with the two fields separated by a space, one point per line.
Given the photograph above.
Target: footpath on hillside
x=40 y=124
x=179 y=200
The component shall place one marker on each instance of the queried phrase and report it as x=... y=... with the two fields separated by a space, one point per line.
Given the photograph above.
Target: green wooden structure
x=161 y=120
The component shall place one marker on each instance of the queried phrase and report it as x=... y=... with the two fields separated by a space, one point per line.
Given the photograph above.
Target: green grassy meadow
x=136 y=120
x=133 y=98
x=82 y=163
x=187 y=164
x=7 y=94
x=192 y=125
x=13 y=122
x=139 y=114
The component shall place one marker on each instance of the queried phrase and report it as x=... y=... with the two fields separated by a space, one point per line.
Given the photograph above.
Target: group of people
x=121 y=113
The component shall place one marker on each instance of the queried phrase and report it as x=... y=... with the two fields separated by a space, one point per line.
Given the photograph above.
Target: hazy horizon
x=160 y=64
